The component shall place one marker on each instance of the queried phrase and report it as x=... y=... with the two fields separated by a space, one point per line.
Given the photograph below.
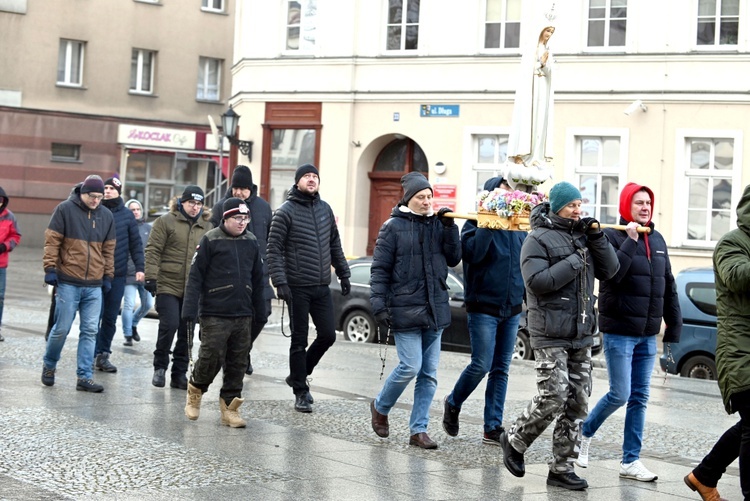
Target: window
x=599 y=165
x=502 y=25
x=209 y=79
x=403 y=25
x=718 y=22
x=142 y=71
x=607 y=23
x=62 y=152
x=290 y=148
x=213 y=5
x=70 y=63
x=489 y=154
x=300 y=24
x=709 y=169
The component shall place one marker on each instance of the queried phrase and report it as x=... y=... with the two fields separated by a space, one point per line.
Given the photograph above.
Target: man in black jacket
x=302 y=245
x=226 y=284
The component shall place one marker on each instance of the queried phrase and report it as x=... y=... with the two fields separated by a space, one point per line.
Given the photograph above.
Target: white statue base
x=526 y=177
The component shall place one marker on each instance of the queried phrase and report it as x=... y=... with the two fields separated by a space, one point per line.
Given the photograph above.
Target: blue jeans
x=418 y=356
x=71 y=299
x=493 y=340
x=630 y=361
x=111 y=302
x=131 y=316
x=2 y=292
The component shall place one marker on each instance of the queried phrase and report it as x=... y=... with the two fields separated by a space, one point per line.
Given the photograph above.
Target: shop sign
x=156 y=136
x=444 y=190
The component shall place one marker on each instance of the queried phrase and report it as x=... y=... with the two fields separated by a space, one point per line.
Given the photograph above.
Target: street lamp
x=229 y=121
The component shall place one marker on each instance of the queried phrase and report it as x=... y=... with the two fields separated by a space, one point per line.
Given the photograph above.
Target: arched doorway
x=396 y=159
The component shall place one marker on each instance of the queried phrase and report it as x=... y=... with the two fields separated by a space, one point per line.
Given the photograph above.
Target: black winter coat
x=409 y=270
x=226 y=277
x=304 y=242
x=129 y=244
x=643 y=291
x=560 y=281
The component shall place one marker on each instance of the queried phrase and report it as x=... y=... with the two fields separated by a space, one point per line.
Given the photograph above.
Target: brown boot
x=706 y=493
x=193 y=405
x=379 y=421
x=229 y=414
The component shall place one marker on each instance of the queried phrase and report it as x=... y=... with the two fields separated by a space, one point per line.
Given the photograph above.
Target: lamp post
x=229 y=121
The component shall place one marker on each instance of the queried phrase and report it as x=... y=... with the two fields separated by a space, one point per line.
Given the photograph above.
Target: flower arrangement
x=506 y=203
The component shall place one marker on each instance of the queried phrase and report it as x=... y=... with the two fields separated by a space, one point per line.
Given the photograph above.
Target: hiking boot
x=450 y=418
x=310 y=399
x=568 y=480
x=302 y=403
x=583 y=455
x=706 y=493
x=159 y=379
x=512 y=459
x=103 y=364
x=128 y=341
x=89 y=385
x=193 y=405
x=48 y=376
x=178 y=381
x=249 y=370
x=136 y=337
x=636 y=471
x=229 y=414
x=492 y=437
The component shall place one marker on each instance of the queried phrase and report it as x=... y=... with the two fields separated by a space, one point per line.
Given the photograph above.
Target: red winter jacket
x=9 y=234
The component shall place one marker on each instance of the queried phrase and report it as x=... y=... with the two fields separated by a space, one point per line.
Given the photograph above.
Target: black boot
x=301 y=404
x=249 y=370
x=568 y=480
x=512 y=459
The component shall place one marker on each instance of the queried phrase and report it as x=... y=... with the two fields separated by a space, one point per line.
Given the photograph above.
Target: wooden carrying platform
x=492 y=221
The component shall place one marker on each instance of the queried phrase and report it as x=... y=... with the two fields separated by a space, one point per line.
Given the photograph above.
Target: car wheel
x=522 y=350
x=699 y=367
x=360 y=327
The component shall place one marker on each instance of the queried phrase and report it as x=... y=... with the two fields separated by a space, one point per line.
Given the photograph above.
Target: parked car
x=353 y=314
x=695 y=355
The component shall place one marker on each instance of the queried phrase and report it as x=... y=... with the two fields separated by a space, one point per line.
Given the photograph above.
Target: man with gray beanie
x=171 y=245
x=303 y=244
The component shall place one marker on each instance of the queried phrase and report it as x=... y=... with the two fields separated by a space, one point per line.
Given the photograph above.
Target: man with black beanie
x=242 y=187
x=171 y=245
x=303 y=244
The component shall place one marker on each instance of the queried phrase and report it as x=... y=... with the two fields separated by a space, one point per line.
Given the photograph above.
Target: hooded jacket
x=171 y=246
x=409 y=270
x=129 y=245
x=732 y=271
x=9 y=234
x=559 y=264
x=144 y=230
x=79 y=243
x=643 y=291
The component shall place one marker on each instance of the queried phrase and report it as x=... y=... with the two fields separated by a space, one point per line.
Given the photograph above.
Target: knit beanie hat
x=115 y=183
x=192 y=192
x=242 y=177
x=413 y=183
x=93 y=184
x=305 y=169
x=562 y=194
x=233 y=206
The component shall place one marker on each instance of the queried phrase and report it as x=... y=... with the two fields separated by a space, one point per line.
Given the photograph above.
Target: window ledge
x=209 y=101
x=66 y=160
x=150 y=2
x=70 y=86
x=213 y=11
x=142 y=94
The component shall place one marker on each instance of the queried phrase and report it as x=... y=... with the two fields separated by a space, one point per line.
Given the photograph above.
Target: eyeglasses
x=241 y=219
x=193 y=203
x=94 y=197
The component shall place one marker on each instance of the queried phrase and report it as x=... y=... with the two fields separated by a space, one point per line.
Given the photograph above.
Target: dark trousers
x=169 y=307
x=258 y=326
x=315 y=302
x=224 y=343
x=111 y=302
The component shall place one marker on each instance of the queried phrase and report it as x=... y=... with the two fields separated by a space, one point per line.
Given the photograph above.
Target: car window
x=360 y=274
x=703 y=296
x=454 y=286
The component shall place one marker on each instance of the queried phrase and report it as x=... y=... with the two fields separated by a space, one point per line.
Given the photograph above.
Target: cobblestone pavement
x=133 y=441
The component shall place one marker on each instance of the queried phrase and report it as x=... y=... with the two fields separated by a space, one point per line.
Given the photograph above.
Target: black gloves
x=151 y=287
x=3 y=248
x=383 y=319
x=284 y=293
x=50 y=278
x=189 y=316
x=447 y=221
x=590 y=225
x=106 y=285
x=346 y=287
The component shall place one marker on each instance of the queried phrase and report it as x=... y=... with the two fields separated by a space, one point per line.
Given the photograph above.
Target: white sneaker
x=636 y=471
x=583 y=455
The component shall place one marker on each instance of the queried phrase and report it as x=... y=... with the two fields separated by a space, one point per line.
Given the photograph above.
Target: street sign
x=439 y=110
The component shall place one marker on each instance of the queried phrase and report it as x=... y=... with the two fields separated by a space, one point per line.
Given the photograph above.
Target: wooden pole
x=473 y=216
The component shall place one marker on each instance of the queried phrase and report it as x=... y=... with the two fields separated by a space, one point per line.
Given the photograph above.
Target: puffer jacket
x=9 y=234
x=409 y=270
x=129 y=245
x=170 y=248
x=560 y=281
x=732 y=272
x=144 y=230
x=79 y=243
x=226 y=277
x=304 y=242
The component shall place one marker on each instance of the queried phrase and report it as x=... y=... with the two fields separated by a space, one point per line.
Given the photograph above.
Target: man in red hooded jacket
x=9 y=238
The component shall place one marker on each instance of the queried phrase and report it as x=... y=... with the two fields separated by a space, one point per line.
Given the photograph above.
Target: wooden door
x=385 y=192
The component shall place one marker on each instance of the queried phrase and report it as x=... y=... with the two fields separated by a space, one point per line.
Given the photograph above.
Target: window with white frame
x=502 y=24
x=709 y=176
x=213 y=5
x=607 y=23
x=70 y=62
x=599 y=166
x=209 y=79
x=142 y=71
x=402 y=29
x=301 y=24
x=718 y=22
x=490 y=153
